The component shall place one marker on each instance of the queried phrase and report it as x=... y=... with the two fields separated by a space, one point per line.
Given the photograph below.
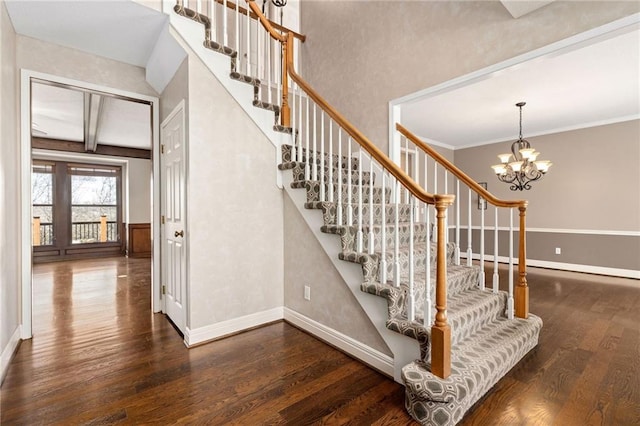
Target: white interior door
x=173 y=234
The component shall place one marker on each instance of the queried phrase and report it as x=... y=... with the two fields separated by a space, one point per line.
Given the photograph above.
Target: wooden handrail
x=457 y=172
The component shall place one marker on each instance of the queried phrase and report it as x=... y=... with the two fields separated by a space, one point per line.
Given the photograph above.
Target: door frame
x=26 y=296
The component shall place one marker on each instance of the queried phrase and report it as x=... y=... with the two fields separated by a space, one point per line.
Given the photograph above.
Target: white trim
x=573 y=42
x=224 y=328
x=579 y=126
x=25 y=186
x=8 y=352
x=573 y=267
x=561 y=231
x=356 y=349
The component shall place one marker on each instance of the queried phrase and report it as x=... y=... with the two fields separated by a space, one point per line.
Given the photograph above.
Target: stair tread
x=477 y=364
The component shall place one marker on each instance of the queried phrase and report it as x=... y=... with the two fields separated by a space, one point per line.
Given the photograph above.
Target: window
x=42 y=199
x=77 y=209
x=94 y=204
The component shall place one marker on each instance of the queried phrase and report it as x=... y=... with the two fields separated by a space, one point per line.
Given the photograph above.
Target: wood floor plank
x=99 y=356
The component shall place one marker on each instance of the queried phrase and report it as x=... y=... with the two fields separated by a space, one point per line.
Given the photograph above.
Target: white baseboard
x=225 y=328
x=8 y=352
x=572 y=267
x=364 y=353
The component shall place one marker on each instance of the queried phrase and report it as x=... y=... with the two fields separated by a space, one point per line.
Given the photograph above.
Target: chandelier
x=521 y=167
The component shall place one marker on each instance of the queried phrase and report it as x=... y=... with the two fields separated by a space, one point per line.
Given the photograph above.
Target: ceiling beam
x=93 y=110
x=71 y=146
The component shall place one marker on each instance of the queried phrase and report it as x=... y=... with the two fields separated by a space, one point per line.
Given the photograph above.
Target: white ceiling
x=118 y=29
x=58 y=113
x=576 y=87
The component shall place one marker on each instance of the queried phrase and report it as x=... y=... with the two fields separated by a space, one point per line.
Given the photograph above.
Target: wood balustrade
x=522 y=289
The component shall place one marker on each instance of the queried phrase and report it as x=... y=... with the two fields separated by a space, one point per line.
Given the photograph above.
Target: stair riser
x=317 y=157
x=349 y=239
x=329 y=213
x=313 y=191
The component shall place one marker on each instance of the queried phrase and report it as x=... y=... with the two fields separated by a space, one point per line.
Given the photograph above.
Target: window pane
x=95 y=190
x=42 y=188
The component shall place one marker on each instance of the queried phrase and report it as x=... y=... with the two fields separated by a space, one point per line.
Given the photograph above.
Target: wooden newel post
x=287 y=52
x=522 y=289
x=440 y=331
x=36 y=231
x=103 y=228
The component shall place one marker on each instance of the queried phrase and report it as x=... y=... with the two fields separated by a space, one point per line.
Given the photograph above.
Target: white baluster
x=469 y=231
x=293 y=124
x=359 y=235
x=199 y=6
x=314 y=163
x=446 y=219
x=307 y=167
x=214 y=22
x=435 y=177
x=371 y=236
x=383 y=232
x=269 y=65
x=481 y=275
x=248 y=42
x=237 y=35
x=396 y=268
x=411 y=306
x=277 y=53
x=260 y=59
x=428 y=315
x=298 y=137
x=406 y=165
x=496 y=277
x=330 y=160
x=339 y=179
x=457 y=222
x=349 y=189
x=225 y=25
x=323 y=181
x=510 y=299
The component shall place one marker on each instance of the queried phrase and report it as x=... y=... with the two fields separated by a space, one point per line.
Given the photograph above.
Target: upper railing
x=352 y=174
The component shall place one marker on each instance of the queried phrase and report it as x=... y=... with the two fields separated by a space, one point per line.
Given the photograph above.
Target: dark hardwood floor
x=99 y=356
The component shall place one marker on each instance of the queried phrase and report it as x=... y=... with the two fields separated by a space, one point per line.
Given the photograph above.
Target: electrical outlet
x=558 y=250
x=307 y=292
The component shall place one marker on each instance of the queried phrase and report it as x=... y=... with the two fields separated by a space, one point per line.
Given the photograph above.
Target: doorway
x=90 y=144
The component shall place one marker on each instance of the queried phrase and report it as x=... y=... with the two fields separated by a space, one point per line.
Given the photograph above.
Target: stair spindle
x=481 y=277
x=496 y=277
x=457 y=249
x=307 y=168
x=268 y=46
x=214 y=22
x=510 y=299
x=469 y=232
x=237 y=34
x=293 y=124
x=323 y=181
x=383 y=234
x=371 y=235
x=339 y=179
x=428 y=314
x=349 y=189
x=225 y=25
x=315 y=149
x=411 y=306
x=298 y=136
x=359 y=234
x=330 y=160
x=248 y=43
x=396 y=234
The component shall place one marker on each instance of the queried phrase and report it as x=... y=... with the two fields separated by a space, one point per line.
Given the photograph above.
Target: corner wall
x=9 y=194
x=234 y=209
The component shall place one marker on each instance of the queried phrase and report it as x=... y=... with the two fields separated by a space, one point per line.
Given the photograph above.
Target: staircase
x=398 y=233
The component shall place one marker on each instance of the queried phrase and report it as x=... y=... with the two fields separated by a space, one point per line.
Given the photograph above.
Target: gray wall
x=332 y=303
x=360 y=55
x=234 y=208
x=593 y=185
x=9 y=187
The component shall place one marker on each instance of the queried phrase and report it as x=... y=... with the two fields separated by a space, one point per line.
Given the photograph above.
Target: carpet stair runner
x=485 y=343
